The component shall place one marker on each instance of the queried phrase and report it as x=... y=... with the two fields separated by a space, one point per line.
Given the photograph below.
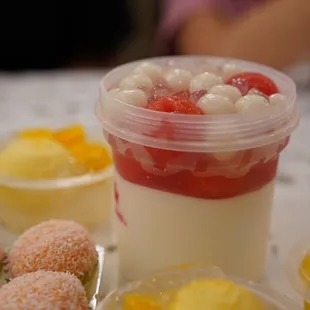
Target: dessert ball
x=37 y=158
x=43 y=290
x=55 y=245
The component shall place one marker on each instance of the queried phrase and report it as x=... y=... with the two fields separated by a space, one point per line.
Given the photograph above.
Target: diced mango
x=135 y=302
x=36 y=133
x=69 y=136
x=94 y=156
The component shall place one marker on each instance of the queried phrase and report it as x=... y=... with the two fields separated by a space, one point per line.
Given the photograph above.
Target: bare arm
x=275 y=34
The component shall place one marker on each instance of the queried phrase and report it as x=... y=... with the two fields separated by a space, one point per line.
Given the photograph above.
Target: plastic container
x=195 y=188
x=298 y=276
x=162 y=285
x=85 y=199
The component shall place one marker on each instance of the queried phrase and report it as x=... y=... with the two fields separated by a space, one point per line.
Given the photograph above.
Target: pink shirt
x=175 y=12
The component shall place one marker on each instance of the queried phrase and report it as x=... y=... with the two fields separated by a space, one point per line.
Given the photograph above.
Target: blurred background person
x=106 y=33
x=273 y=32
x=40 y=36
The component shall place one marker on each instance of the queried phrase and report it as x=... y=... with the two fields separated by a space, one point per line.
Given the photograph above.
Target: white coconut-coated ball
x=229 y=91
x=153 y=71
x=251 y=103
x=229 y=70
x=135 y=97
x=205 y=80
x=134 y=81
x=215 y=104
x=178 y=79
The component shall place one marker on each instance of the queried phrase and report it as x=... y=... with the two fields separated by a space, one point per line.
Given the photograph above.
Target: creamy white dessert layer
x=164 y=229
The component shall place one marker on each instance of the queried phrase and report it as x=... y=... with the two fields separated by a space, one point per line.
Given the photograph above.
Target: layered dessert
x=48 y=174
x=195 y=289
x=195 y=147
x=44 y=290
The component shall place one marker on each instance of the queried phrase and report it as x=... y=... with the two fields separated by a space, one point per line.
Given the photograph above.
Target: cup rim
x=267 y=294
x=58 y=183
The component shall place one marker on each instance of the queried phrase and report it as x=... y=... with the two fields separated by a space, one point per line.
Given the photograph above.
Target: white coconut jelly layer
x=164 y=229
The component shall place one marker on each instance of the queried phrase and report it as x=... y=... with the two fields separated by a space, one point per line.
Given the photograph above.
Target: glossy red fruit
x=248 y=80
x=174 y=105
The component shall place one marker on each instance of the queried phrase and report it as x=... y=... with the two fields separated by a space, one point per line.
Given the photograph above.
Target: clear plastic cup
x=202 y=194
x=86 y=199
x=164 y=284
x=298 y=276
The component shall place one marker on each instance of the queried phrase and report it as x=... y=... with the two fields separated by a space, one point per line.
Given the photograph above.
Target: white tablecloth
x=64 y=97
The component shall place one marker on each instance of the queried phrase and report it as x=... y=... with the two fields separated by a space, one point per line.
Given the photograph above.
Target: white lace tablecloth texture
x=60 y=98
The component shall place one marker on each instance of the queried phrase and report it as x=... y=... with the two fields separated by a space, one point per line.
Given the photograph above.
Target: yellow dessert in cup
x=298 y=270
x=63 y=174
x=195 y=288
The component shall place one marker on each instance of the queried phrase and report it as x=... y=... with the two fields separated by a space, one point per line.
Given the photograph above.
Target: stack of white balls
x=217 y=98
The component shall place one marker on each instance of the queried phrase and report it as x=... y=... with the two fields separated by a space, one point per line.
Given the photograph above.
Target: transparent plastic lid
x=199 y=133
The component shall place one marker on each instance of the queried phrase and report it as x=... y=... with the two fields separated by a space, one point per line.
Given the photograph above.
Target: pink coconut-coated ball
x=55 y=245
x=44 y=290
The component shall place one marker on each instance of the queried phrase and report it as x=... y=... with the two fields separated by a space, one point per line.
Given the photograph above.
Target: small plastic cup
x=86 y=199
x=195 y=188
x=298 y=276
x=164 y=284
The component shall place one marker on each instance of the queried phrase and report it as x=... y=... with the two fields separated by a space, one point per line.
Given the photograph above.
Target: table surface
x=58 y=98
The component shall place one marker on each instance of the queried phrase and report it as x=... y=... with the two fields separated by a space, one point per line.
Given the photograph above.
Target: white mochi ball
x=229 y=70
x=178 y=79
x=251 y=103
x=134 y=81
x=215 y=104
x=204 y=80
x=135 y=97
x=229 y=91
x=277 y=99
x=153 y=71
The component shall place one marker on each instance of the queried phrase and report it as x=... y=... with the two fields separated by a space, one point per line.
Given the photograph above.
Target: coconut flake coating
x=44 y=290
x=55 y=245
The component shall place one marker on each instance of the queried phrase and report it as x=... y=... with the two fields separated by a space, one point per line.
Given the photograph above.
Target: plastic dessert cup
x=298 y=270
x=195 y=188
x=86 y=199
x=164 y=284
